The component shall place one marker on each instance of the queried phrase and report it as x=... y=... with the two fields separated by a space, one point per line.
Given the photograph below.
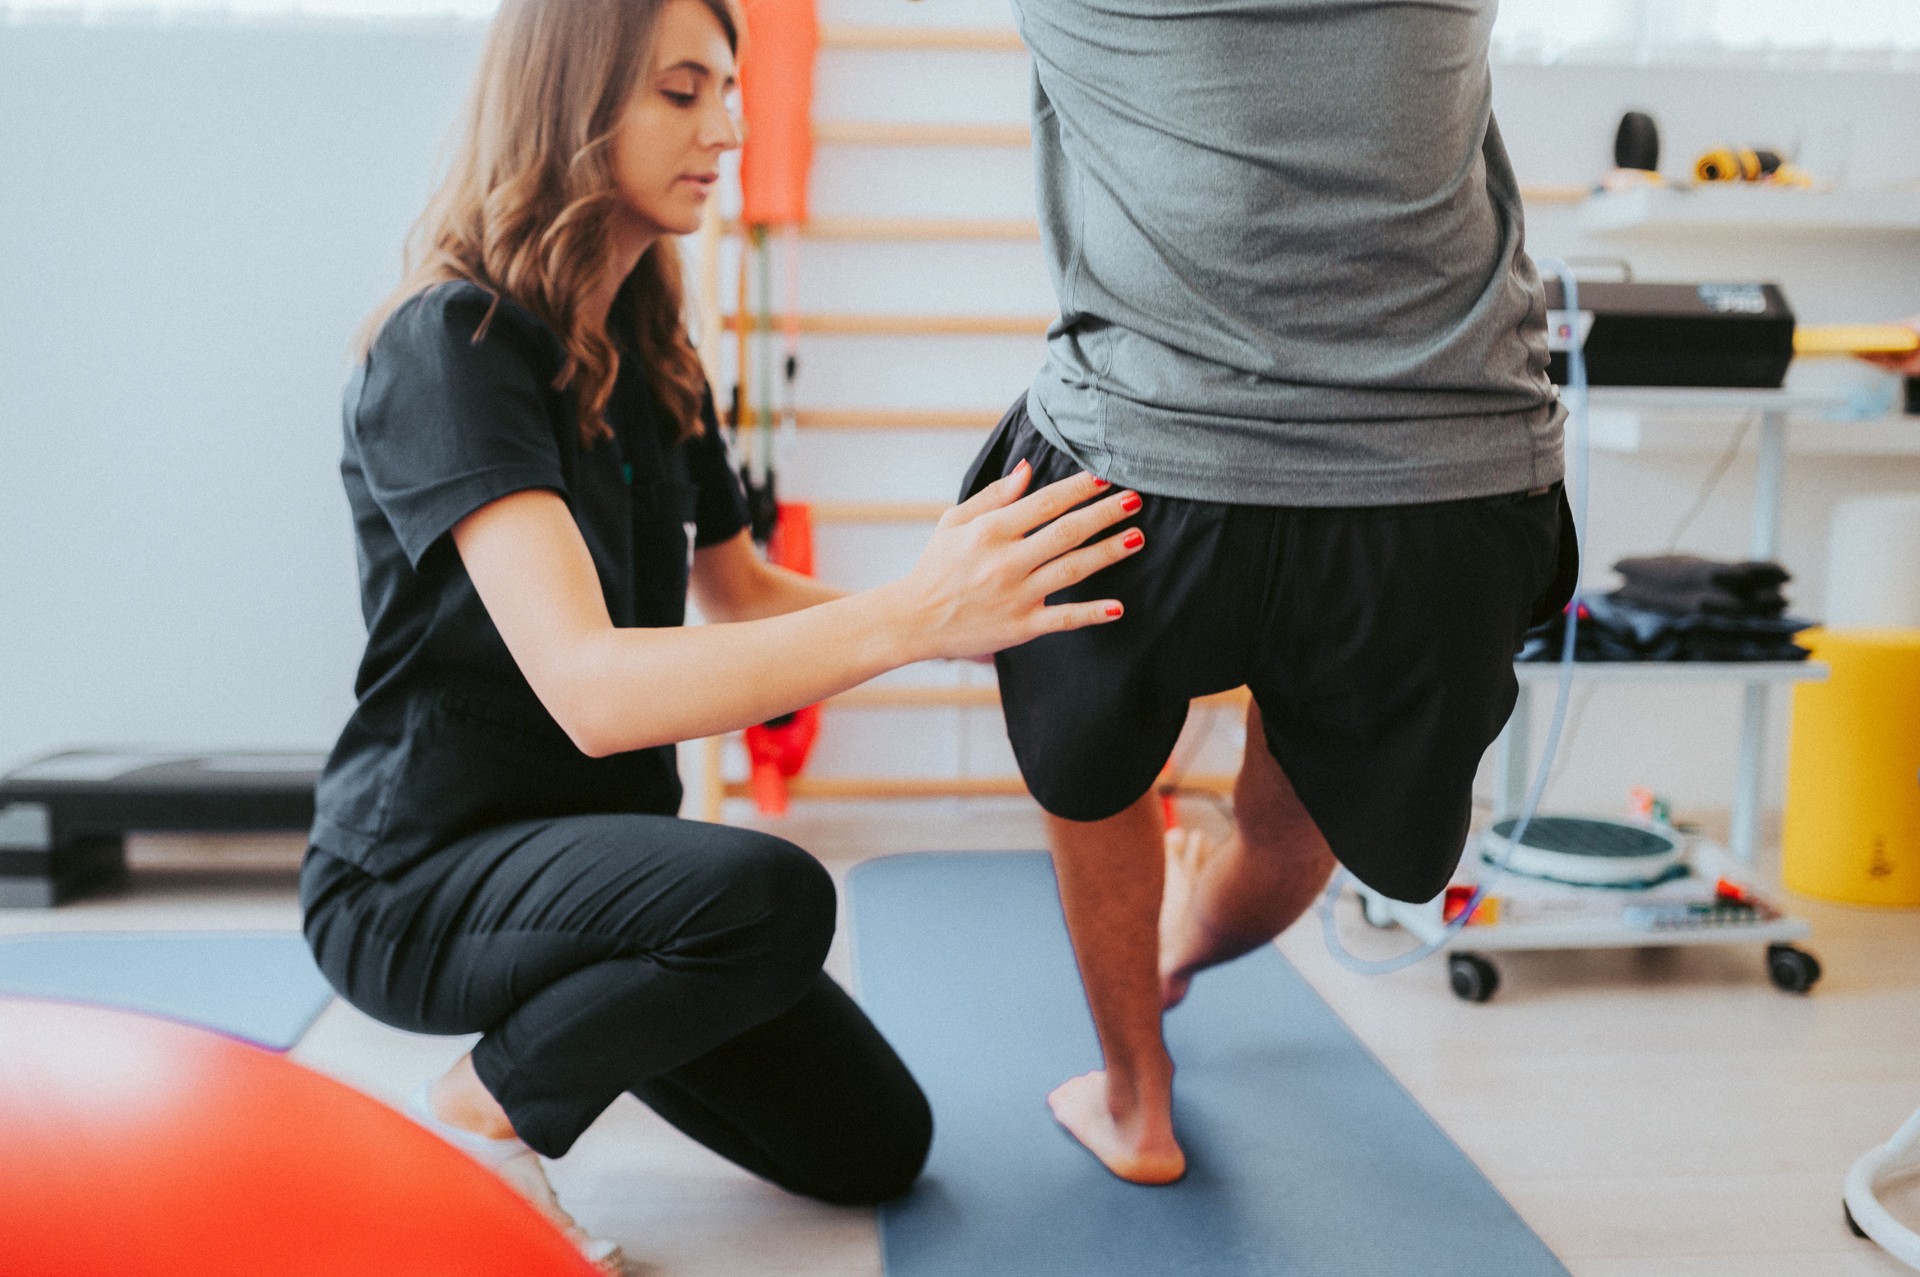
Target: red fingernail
x=1098 y=482
x=1130 y=502
x=1114 y=609
x=1134 y=539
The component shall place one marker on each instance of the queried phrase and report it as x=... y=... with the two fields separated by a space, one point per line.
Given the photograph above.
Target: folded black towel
x=1709 y=600
x=1685 y=585
x=1691 y=572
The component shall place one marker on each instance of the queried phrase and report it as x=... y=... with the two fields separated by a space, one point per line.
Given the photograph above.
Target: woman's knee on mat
x=892 y=1151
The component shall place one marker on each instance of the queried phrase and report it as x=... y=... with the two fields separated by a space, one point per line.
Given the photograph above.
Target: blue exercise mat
x=259 y=986
x=1305 y=1157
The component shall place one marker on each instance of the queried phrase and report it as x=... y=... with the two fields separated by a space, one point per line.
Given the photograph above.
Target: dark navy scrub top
x=448 y=738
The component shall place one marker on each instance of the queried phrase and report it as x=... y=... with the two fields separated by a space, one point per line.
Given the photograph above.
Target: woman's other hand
x=982 y=583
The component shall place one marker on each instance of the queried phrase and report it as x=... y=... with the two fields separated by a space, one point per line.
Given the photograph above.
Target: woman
x=530 y=450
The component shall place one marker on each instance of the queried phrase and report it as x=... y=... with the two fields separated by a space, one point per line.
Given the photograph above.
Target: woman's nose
x=724 y=129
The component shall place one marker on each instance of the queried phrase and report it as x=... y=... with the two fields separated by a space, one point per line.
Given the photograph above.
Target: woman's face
x=679 y=122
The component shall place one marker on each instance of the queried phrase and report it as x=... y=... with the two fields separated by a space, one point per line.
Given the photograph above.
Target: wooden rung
x=875 y=325
x=897 y=418
x=805 y=787
x=969 y=39
x=894 y=787
x=878 y=511
x=915 y=228
x=1554 y=194
x=972 y=697
x=924 y=228
x=891 y=133
x=1019 y=229
x=917 y=698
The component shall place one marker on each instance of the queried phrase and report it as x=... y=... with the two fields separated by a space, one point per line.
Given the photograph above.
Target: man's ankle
x=1138 y=1088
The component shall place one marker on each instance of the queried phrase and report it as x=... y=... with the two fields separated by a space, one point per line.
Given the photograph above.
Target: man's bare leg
x=1110 y=877
x=1222 y=900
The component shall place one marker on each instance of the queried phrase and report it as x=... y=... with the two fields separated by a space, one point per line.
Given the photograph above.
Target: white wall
x=193 y=217
x=192 y=220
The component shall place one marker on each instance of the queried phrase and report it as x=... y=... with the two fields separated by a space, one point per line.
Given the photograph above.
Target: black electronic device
x=1637 y=143
x=1721 y=335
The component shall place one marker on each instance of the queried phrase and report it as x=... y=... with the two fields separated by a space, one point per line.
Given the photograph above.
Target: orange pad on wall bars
x=776 y=94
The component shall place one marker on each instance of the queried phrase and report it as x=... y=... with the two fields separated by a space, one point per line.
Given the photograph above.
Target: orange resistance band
x=776 y=92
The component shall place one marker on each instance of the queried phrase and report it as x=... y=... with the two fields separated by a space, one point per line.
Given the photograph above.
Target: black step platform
x=64 y=818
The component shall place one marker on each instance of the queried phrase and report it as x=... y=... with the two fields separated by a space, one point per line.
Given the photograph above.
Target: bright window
x=1545 y=27
x=254 y=8
x=1554 y=27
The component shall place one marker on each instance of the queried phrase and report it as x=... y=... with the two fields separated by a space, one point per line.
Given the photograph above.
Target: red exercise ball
x=138 y=1147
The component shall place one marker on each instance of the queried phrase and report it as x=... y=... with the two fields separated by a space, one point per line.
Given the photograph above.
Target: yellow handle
x=1855 y=339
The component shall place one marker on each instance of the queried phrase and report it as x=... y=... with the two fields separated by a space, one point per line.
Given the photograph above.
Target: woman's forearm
x=773 y=591
x=633 y=688
x=980 y=585
x=731 y=582
x=788 y=591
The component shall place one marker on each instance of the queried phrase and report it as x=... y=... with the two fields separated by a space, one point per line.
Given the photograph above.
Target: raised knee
x=786 y=903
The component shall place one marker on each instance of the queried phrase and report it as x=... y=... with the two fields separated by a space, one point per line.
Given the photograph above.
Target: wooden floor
x=1652 y=1113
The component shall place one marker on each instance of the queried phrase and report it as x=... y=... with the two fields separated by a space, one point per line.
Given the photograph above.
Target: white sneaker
x=513 y=1161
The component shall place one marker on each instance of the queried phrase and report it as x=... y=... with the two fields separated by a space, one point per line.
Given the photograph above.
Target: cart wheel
x=1474 y=979
x=1792 y=970
x=1376 y=911
x=1851 y=1223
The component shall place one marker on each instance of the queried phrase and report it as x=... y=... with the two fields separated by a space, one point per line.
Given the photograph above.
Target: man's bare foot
x=1137 y=1150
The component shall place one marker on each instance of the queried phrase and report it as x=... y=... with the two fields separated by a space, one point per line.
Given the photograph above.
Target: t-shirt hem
x=1095 y=461
x=1324 y=487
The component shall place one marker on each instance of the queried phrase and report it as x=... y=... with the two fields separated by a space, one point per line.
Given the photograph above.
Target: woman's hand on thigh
x=983 y=581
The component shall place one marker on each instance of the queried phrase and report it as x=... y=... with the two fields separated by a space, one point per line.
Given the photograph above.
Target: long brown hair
x=526 y=204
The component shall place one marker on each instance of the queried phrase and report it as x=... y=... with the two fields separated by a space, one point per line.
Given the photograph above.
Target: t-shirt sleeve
x=446 y=424
x=720 y=504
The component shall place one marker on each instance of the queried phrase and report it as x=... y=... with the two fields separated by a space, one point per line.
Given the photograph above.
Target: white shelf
x=1714 y=401
x=1592 y=917
x=1751 y=209
x=1628 y=434
x=1746 y=672
x=1637 y=419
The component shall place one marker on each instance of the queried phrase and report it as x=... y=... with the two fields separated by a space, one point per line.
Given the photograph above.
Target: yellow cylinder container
x=1852 y=830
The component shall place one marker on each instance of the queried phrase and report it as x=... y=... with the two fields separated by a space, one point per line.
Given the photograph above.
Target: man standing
x=1295 y=312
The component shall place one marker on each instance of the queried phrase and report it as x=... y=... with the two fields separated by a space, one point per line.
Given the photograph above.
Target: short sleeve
x=444 y=423
x=720 y=509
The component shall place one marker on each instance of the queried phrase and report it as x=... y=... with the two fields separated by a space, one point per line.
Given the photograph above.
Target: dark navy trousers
x=676 y=960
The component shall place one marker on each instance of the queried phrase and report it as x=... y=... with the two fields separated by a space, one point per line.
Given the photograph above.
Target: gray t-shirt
x=1287 y=244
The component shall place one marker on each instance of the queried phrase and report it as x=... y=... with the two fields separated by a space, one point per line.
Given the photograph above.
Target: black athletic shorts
x=1377 y=640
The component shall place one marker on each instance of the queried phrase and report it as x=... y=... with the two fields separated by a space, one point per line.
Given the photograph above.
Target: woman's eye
x=679 y=99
